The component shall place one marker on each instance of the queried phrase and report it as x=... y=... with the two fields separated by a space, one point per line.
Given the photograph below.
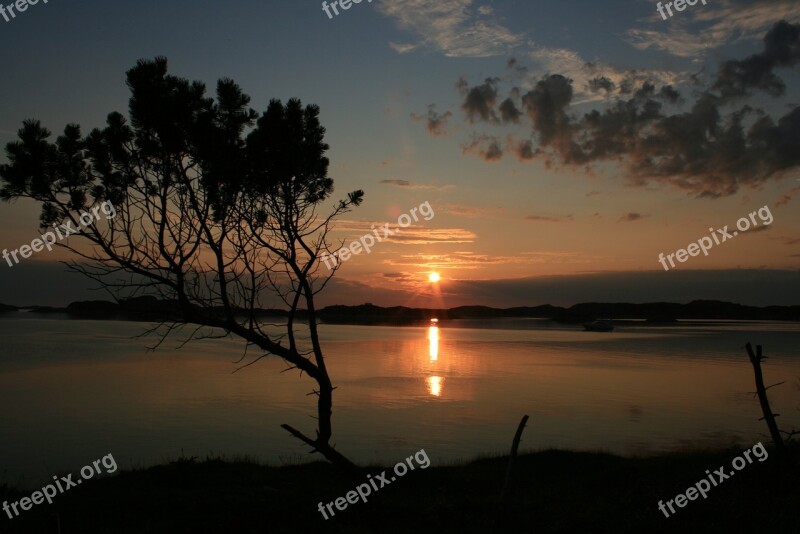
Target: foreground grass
x=555 y=491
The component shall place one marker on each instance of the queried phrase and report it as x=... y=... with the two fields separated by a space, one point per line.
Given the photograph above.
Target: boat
x=598 y=326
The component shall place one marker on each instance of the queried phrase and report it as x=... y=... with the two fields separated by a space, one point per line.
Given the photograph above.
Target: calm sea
x=72 y=391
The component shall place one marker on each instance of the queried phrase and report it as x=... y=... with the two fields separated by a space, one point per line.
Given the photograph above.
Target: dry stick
x=761 y=391
x=514 y=447
x=332 y=455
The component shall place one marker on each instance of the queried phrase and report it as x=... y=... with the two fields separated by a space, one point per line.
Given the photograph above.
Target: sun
x=434 y=277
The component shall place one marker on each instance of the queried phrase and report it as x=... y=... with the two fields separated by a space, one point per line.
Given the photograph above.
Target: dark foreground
x=555 y=491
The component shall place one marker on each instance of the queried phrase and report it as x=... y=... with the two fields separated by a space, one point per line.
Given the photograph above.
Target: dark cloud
x=546 y=106
x=398 y=276
x=509 y=111
x=486 y=146
x=781 y=49
x=513 y=64
x=523 y=150
x=398 y=183
x=709 y=147
x=435 y=122
x=601 y=84
x=670 y=94
x=631 y=217
x=479 y=101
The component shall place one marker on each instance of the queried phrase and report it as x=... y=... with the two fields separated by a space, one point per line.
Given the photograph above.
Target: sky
x=562 y=145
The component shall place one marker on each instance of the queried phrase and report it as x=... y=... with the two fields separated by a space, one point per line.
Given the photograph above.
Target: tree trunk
x=761 y=391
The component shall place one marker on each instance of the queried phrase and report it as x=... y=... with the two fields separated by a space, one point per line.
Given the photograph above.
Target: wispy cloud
x=698 y=31
x=470 y=211
x=457 y=28
x=415 y=234
x=456 y=260
x=470 y=260
x=549 y=219
x=786 y=240
x=410 y=185
x=787 y=196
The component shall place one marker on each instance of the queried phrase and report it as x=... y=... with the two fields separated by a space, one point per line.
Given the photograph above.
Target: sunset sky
x=543 y=190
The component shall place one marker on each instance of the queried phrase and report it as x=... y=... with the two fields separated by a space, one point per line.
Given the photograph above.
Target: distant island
x=656 y=313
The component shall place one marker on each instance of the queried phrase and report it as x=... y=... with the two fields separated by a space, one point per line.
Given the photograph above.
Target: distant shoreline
x=627 y=314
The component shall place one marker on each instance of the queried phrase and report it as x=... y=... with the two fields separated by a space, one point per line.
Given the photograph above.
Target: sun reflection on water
x=433 y=337
x=435 y=385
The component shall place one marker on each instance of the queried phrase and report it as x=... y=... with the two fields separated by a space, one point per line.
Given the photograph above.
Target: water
x=72 y=391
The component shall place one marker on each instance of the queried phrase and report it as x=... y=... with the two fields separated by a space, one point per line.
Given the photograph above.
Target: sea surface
x=72 y=391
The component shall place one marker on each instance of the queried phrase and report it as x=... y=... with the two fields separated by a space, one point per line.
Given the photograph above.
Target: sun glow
x=434 y=277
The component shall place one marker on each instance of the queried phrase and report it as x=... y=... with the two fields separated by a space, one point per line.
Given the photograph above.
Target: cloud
x=436 y=122
x=781 y=49
x=509 y=111
x=546 y=218
x=470 y=211
x=415 y=234
x=699 y=31
x=523 y=150
x=486 y=146
x=546 y=106
x=631 y=217
x=419 y=235
x=397 y=276
x=455 y=27
x=454 y=260
x=593 y=81
x=479 y=101
x=409 y=185
x=787 y=196
x=514 y=65
x=707 y=145
x=762 y=228
x=398 y=183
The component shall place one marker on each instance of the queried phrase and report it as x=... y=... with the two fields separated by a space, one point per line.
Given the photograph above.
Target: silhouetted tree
x=217 y=209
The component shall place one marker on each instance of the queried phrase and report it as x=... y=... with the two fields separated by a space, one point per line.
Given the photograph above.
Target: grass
x=554 y=491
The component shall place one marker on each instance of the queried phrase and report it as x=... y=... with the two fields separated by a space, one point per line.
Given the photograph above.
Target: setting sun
x=434 y=277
